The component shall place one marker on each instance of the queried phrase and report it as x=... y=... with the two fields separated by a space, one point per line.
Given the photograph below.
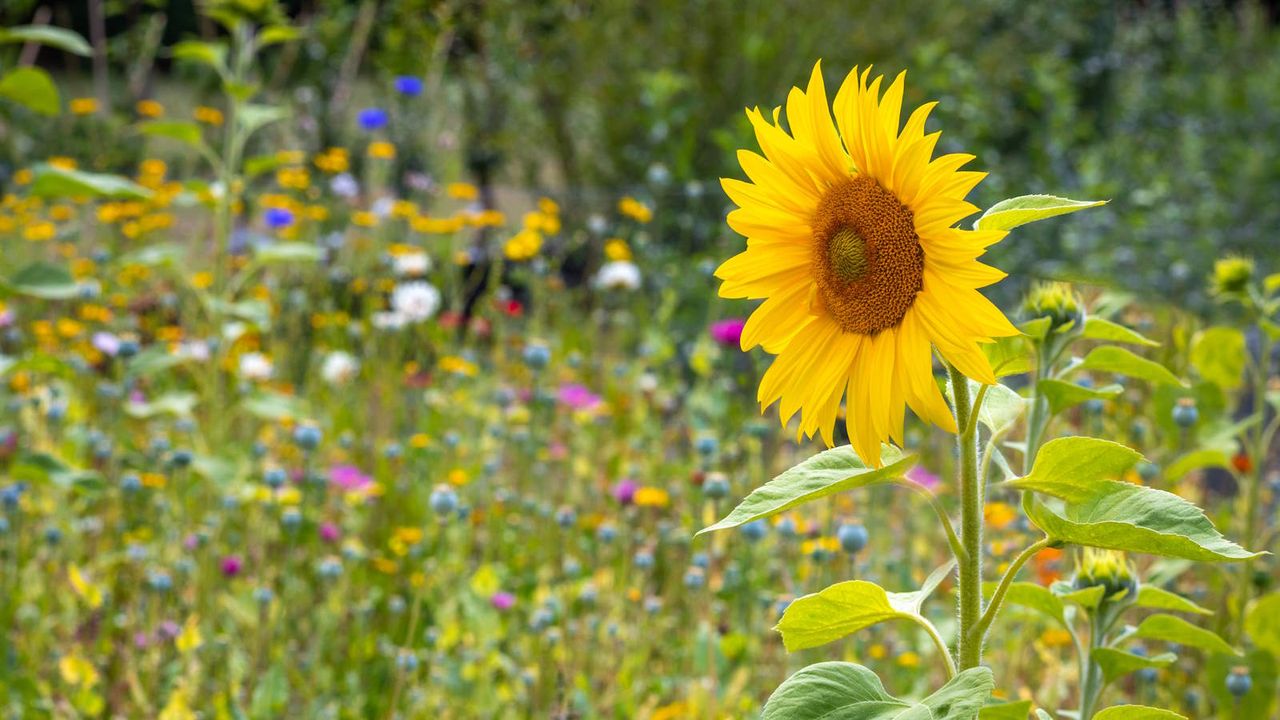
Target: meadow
x=359 y=362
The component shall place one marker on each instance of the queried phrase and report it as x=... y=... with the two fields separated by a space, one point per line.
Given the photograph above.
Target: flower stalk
x=971 y=491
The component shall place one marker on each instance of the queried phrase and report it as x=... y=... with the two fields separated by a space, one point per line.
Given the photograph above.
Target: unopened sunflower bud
x=1106 y=568
x=1056 y=301
x=1231 y=275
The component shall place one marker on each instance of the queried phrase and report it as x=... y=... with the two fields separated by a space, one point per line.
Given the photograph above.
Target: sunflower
x=851 y=243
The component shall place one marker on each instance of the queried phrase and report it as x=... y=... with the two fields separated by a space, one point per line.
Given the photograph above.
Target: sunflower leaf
x=1063 y=395
x=1118 y=663
x=1171 y=628
x=1120 y=361
x=1136 y=712
x=1150 y=596
x=1096 y=328
x=826 y=473
x=852 y=692
x=1009 y=214
x=1070 y=468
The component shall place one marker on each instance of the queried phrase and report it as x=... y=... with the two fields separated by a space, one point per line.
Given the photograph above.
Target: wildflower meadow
x=466 y=359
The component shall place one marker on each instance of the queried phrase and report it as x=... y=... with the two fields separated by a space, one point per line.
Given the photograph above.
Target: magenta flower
x=625 y=491
x=329 y=532
x=106 y=343
x=578 y=396
x=348 y=477
x=232 y=565
x=728 y=332
x=924 y=477
x=502 y=601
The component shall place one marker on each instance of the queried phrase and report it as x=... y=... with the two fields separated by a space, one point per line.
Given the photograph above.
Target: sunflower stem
x=970 y=601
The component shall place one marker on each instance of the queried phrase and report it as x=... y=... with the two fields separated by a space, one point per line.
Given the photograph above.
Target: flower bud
x=1231 y=275
x=1056 y=301
x=1109 y=569
x=1185 y=413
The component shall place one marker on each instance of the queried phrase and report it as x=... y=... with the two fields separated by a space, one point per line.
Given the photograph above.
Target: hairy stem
x=970 y=602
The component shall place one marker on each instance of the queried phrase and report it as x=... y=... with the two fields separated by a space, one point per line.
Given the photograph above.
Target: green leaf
x=1150 y=596
x=54 y=37
x=1271 y=283
x=1174 y=629
x=847 y=607
x=253 y=117
x=216 y=469
x=1133 y=518
x=43 y=280
x=1118 y=663
x=269 y=405
x=55 y=182
x=154 y=255
x=1096 y=328
x=1112 y=359
x=1033 y=596
x=1010 y=355
x=1001 y=407
x=1196 y=460
x=184 y=131
x=177 y=404
x=845 y=691
x=1009 y=214
x=1070 y=468
x=1006 y=711
x=287 y=252
x=213 y=55
x=1136 y=712
x=278 y=34
x=1263 y=623
x=826 y=473
x=1219 y=354
x=1036 y=329
x=1043 y=714
x=1063 y=395
x=32 y=88
x=1085 y=597
x=153 y=361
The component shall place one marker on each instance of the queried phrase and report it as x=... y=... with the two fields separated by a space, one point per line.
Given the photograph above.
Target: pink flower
x=578 y=396
x=924 y=477
x=728 y=332
x=232 y=565
x=625 y=491
x=502 y=600
x=348 y=477
x=329 y=532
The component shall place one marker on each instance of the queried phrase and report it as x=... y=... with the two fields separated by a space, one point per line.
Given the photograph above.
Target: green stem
x=957 y=548
x=1253 y=494
x=1039 y=417
x=970 y=590
x=1091 y=685
x=997 y=599
x=939 y=643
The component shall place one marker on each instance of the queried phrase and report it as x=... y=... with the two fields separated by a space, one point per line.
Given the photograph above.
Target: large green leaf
x=54 y=37
x=1009 y=214
x=1121 y=361
x=269 y=405
x=1118 y=663
x=1006 y=711
x=1136 y=712
x=1150 y=596
x=1096 y=328
x=287 y=252
x=33 y=88
x=845 y=691
x=1133 y=518
x=56 y=182
x=184 y=131
x=1218 y=354
x=1174 y=629
x=253 y=116
x=1010 y=355
x=1063 y=395
x=847 y=607
x=1263 y=623
x=824 y=474
x=1196 y=460
x=43 y=280
x=178 y=404
x=1070 y=468
x=1001 y=408
x=213 y=55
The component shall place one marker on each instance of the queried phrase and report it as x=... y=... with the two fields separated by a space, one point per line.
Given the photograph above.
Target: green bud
x=1109 y=569
x=1056 y=301
x=1231 y=275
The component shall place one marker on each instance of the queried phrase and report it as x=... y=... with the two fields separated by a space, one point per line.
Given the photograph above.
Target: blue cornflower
x=278 y=218
x=371 y=119
x=408 y=85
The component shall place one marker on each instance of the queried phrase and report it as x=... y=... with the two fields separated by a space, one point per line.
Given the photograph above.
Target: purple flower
x=924 y=477
x=329 y=532
x=578 y=396
x=348 y=477
x=106 y=343
x=277 y=217
x=191 y=542
x=371 y=119
x=168 y=630
x=502 y=600
x=140 y=640
x=232 y=565
x=728 y=332
x=409 y=85
x=625 y=491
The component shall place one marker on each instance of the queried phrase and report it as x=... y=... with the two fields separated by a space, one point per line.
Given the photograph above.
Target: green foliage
x=1136 y=712
x=42 y=280
x=819 y=476
x=1011 y=213
x=1121 y=361
x=1152 y=597
x=1171 y=628
x=61 y=183
x=1263 y=623
x=852 y=692
x=1116 y=664
x=1096 y=328
x=32 y=88
x=1071 y=468
x=1218 y=354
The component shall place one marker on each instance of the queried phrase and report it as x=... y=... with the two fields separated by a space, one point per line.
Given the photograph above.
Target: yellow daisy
x=850 y=241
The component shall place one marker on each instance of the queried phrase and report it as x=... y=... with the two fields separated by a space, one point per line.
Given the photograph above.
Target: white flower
x=389 y=320
x=255 y=366
x=416 y=301
x=344 y=185
x=618 y=275
x=415 y=264
x=339 y=367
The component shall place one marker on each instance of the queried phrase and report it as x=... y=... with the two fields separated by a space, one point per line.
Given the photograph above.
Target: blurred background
x=1170 y=109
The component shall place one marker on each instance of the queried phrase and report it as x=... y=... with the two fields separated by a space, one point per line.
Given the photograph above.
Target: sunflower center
x=868 y=263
